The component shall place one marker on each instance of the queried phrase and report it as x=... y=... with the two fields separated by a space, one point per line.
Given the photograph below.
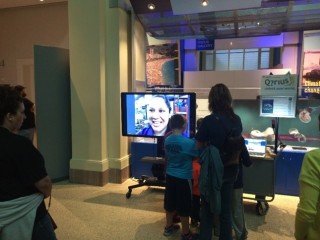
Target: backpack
x=232 y=148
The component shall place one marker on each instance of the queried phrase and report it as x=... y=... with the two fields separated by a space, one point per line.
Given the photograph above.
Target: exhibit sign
x=278 y=106
x=279 y=95
x=204 y=44
x=310 y=82
x=279 y=85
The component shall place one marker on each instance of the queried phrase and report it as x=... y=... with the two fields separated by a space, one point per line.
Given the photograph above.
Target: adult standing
x=29 y=123
x=24 y=182
x=214 y=130
x=307 y=221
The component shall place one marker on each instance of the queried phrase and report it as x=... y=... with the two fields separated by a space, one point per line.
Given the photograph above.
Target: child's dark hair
x=177 y=121
x=199 y=122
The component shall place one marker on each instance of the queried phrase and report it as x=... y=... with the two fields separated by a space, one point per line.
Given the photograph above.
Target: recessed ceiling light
x=151 y=6
x=204 y=3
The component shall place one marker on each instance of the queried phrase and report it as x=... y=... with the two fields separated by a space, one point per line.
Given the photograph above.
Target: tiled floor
x=85 y=212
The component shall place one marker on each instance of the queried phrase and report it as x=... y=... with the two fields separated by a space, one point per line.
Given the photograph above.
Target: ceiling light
x=204 y=3
x=151 y=6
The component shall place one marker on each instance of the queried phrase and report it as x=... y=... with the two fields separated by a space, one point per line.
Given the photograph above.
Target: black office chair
x=158 y=172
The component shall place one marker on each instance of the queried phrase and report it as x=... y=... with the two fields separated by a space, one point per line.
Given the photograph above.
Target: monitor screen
x=256 y=147
x=147 y=114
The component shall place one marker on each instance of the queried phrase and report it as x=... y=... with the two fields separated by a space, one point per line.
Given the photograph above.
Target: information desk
x=288 y=166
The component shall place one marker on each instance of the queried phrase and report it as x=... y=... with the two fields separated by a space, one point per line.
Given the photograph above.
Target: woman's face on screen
x=158 y=115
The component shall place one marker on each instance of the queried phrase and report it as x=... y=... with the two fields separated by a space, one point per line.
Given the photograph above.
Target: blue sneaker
x=168 y=231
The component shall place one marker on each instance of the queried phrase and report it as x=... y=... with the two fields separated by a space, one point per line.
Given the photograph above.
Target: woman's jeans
x=225 y=221
x=43 y=229
x=229 y=176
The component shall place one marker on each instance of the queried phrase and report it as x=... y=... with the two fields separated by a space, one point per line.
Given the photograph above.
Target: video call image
x=153 y=111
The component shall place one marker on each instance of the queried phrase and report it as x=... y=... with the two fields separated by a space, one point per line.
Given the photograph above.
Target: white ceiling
x=23 y=3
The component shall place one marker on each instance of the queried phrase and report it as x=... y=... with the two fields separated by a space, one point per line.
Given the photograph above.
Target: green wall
x=249 y=111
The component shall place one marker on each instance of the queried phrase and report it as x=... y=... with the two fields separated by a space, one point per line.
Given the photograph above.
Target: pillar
x=99 y=73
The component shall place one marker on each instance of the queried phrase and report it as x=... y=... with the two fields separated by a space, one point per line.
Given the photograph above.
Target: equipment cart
x=259 y=182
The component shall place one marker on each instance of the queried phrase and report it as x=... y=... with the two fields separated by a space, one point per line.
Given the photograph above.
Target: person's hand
x=44 y=186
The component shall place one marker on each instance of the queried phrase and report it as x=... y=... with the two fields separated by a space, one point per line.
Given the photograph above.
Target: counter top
x=300 y=149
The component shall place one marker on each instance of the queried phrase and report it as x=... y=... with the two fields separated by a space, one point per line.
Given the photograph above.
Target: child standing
x=180 y=152
x=195 y=215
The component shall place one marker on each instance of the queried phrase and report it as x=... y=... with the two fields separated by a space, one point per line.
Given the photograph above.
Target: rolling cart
x=259 y=181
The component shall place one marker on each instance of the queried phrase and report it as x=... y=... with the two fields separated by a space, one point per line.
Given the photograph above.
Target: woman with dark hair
x=24 y=182
x=215 y=129
x=158 y=114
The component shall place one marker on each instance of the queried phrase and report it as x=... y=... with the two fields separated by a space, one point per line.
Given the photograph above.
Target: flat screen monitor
x=256 y=147
x=146 y=114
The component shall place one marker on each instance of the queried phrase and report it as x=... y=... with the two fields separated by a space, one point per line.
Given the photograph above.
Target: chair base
x=146 y=181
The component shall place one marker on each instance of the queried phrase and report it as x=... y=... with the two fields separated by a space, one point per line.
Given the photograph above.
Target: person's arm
x=246 y=160
x=44 y=185
x=309 y=195
x=306 y=210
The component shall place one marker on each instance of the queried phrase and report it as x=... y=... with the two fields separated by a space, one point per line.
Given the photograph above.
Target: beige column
x=99 y=73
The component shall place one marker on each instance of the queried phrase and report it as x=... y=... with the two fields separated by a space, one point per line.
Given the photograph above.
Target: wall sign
x=279 y=95
x=310 y=84
x=278 y=106
x=204 y=44
x=279 y=85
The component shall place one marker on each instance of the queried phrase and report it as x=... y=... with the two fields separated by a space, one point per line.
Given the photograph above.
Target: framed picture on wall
x=162 y=65
x=310 y=81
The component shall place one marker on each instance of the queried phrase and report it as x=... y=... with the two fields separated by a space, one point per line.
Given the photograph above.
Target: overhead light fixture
x=204 y=3
x=151 y=6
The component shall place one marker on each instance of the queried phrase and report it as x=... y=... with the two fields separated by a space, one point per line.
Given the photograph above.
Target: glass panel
x=209 y=61
x=265 y=60
x=251 y=60
x=221 y=61
x=236 y=59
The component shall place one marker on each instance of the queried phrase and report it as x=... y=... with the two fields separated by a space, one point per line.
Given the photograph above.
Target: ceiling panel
x=271 y=18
